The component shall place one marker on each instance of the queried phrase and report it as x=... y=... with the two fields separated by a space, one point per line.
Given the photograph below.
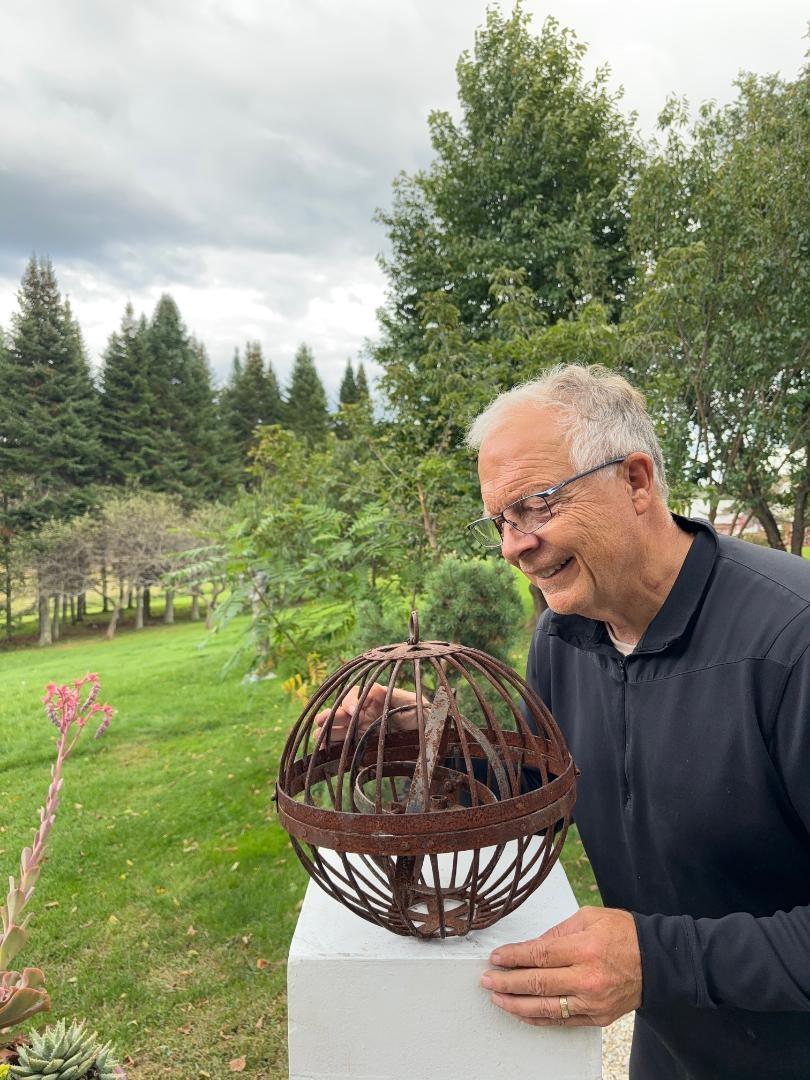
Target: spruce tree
x=361 y=383
x=250 y=398
x=184 y=406
x=49 y=450
x=306 y=410
x=128 y=406
x=348 y=387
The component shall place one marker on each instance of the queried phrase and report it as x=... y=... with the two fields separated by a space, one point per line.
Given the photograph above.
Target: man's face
x=579 y=558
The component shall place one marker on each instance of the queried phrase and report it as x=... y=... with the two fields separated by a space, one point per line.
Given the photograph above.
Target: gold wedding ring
x=564 y=1011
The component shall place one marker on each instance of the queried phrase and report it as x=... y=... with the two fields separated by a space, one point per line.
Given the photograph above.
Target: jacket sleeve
x=760 y=964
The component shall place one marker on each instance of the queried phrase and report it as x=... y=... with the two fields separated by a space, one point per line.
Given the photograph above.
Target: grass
x=165 y=911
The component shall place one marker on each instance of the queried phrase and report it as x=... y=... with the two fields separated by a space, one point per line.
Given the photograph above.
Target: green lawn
x=165 y=911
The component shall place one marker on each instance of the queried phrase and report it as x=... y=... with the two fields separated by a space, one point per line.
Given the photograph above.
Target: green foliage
x=66 y=1053
x=184 y=410
x=348 y=387
x=128 y=407
x=721 y=230
x=535 y=177
x=474 y=602
x=49 y=451
x=251 y=397
x=305 y=410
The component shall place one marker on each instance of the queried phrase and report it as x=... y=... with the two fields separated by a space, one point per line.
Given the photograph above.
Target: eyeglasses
x=527 y=515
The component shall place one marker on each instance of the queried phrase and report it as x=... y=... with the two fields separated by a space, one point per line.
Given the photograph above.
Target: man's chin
x=562 y=601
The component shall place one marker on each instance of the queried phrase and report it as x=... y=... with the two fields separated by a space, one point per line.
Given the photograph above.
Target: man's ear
x=639 y=473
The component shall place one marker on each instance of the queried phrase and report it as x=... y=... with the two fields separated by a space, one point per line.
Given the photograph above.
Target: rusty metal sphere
x=441 y=816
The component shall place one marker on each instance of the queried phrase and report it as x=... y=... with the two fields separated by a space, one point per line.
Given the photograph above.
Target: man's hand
x=372 y=710
x=591 y=958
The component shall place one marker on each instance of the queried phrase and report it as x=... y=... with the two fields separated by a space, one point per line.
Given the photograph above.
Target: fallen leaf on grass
x=261 y=963
x=185 y=1030
x=52 y=903
x=237 y=1064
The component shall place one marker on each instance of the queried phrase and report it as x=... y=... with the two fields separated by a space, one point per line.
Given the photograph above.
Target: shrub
x=474 y=602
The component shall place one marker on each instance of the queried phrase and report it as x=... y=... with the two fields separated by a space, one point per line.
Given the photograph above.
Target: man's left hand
x=592 y=959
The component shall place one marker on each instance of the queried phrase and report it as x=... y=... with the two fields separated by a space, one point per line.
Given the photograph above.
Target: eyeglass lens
x=528 y=515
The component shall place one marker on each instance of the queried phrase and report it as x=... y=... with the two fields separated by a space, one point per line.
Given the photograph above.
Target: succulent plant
x=61 y=1053
x=22 y=995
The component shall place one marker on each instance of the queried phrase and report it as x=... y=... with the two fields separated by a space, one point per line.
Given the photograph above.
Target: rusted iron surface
x=472 y=768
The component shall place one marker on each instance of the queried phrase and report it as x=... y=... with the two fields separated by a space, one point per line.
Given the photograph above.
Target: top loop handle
x=413 y=629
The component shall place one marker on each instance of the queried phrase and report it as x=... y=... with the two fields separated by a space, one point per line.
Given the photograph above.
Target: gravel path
x=616 y=1048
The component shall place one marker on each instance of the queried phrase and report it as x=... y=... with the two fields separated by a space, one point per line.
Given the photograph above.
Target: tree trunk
x=72 y=610
x=210 y=608
x=428 y=523
x=257 y=604
x=113 y=623
x=45 y=636
x=147 y=603
x=195 y=605
x=129 y=597
x=55 y=619
x=105 y=600
x=81 y=605
x=168 y=611
x=139 y=608
x=769 y=523
x=764 y=516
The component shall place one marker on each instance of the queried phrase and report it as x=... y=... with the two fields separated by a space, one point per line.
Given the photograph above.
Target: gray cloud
x=234 y=152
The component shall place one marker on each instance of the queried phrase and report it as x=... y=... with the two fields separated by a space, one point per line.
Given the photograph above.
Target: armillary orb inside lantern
x=443 y=814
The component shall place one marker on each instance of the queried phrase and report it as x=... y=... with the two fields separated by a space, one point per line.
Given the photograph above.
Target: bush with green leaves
x=474 y=602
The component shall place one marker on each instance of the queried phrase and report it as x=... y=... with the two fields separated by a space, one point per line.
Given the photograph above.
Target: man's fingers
x=574 y=924
x=538 y=982
x=542 y=952
x=528 y=1007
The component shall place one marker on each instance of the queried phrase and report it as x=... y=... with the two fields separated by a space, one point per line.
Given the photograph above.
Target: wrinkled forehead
x=527 y=453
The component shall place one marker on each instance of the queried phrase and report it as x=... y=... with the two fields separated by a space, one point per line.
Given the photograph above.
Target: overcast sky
x=232 y=152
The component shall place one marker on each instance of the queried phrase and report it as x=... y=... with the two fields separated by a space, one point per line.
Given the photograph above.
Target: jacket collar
x=676 y=613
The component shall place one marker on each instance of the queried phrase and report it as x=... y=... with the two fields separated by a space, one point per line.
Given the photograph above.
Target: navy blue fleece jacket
x=693 y=804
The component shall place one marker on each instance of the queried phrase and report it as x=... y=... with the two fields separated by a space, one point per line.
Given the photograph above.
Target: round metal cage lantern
x=444 y=827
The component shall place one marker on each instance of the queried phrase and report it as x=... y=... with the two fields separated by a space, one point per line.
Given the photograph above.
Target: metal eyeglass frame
x=499 y=520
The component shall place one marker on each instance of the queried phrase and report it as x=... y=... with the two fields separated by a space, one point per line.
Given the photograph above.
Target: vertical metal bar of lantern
x=392 y=682
x=462 y=735
x=495 y=729
x=353 y=724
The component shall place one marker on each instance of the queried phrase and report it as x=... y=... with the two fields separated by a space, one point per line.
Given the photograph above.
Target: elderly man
x=677 y=663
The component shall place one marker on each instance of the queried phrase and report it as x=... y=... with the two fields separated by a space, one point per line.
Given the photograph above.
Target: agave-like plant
x=23 y=994
x=66 y=1053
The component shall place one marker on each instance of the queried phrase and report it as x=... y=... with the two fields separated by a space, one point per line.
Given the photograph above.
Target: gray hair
x=603 y=416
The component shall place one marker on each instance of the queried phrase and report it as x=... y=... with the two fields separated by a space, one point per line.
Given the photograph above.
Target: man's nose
x=515 y=542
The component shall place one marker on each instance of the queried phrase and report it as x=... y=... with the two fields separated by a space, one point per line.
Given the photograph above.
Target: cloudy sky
x=232 y=152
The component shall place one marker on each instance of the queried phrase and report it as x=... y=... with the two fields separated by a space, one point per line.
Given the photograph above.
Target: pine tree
x=128 y=406
x=49 y=450
x=348 y=387
x=361 y=382
x=184 y=406
x=250 y=397
x=306 y=410
x=48 y=440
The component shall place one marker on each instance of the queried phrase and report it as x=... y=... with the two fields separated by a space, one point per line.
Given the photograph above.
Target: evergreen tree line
x=152 y=420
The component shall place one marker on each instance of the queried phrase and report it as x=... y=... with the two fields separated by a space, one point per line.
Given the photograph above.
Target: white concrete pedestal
x=368 y=1005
